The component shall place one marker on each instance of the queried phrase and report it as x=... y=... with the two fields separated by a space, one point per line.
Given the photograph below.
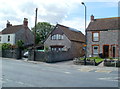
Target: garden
x=108 y=62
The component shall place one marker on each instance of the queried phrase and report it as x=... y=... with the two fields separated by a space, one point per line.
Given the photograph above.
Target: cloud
x=60 y=11
x=77 y=23
x=28 y=7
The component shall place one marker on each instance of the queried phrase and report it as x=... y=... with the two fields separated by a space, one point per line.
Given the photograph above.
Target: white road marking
x=85 y=69
x=110 y=78
x=67 y=72
x=20 y=83
x=105 y=71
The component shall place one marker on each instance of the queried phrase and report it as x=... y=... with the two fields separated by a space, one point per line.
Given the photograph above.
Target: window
x=0 y=38
x=56 y=48
x=57 y=37
x=95 y=36
x=95 y=49
x=8 y=38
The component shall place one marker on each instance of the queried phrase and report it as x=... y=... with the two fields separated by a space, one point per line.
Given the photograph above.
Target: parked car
x=25 y=54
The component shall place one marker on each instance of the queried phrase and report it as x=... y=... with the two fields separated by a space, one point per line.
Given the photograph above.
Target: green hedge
x=5 y=46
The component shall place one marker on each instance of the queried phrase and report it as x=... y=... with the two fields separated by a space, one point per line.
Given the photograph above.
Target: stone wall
x=15 y=53
x=109 y=37
x=51 y=56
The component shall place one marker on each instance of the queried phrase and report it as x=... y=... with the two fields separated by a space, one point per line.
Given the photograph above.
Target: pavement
x=24 y=73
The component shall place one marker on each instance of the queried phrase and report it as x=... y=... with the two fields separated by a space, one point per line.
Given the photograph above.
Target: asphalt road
x=19 y=73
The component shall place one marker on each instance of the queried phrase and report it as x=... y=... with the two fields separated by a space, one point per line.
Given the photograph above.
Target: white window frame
x=95 y=36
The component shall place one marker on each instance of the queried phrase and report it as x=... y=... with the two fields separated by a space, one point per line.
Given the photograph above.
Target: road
x=19 y=73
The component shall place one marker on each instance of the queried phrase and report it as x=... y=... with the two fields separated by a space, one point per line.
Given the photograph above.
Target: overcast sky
x=66 y=12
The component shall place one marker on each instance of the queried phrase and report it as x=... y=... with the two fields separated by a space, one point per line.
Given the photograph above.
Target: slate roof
x=72 y=34
x=12 y=29
x=104 y=24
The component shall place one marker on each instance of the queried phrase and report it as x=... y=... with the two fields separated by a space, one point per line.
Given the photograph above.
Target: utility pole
x=35 y=32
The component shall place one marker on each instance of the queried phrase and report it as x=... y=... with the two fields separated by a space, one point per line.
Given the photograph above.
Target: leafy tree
x=20 y=43
x=42 y=30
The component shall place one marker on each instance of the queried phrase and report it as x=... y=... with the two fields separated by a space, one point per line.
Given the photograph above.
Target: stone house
x=11 y=34
x=66 y=39
x=102 y=37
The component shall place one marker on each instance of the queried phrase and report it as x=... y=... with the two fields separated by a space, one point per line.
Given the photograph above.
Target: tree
x=20 y=44
x=42 y=31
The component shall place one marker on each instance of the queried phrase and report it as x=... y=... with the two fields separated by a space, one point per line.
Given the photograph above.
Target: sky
x=65 y=12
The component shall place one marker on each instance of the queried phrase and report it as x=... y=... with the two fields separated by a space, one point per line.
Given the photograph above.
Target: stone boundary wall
x=50 y=56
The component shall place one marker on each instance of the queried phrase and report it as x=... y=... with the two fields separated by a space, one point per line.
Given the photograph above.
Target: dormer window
x=95 y=36
x=57 y=37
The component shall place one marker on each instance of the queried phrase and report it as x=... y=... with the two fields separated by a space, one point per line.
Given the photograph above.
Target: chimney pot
x=25 y=22
x=8 y=24
x=92 y=18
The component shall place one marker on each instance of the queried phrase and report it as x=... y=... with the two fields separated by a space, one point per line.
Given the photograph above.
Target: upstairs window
x=8 y=38
x=57 y=37
x=95 y=36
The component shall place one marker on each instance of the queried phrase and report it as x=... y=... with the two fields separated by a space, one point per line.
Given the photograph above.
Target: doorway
x=113 y=51
x=106 y=51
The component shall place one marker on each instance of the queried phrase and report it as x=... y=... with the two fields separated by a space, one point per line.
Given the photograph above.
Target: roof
x=104 y=24
x=12 y=29
x=72 y=34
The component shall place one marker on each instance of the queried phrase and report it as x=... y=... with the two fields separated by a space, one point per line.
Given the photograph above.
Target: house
x=102 y=37
x=66 y=39
x=11 y=34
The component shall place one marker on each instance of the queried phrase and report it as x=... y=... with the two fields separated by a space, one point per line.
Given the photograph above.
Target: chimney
x=25 y=22
x=8 y=24
x=92 y=18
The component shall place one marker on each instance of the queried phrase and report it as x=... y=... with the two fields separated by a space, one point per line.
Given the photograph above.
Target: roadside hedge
x=5 y=46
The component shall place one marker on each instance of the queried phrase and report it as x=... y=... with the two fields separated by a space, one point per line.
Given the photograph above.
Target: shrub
x=46 y=48
x=20 y=43
x=97 y=59
x=5 y=46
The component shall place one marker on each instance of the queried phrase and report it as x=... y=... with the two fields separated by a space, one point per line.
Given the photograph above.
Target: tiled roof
x=72 y=34
x=12 y=29
x=104 y=24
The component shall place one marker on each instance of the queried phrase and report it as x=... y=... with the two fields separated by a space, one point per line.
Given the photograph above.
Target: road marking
x=85 y=69
x=110 y=78
x=67 y=72
x=20 y=83
x=103 y=71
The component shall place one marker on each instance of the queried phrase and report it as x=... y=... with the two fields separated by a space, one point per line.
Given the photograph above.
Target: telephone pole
x=35 y=32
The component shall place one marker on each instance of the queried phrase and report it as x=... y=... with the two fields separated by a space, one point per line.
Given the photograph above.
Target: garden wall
x=51 y=56
x=11 y=53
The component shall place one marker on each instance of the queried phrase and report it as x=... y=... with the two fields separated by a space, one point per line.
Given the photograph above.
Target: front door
x=106 y=51
x=113 y=50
